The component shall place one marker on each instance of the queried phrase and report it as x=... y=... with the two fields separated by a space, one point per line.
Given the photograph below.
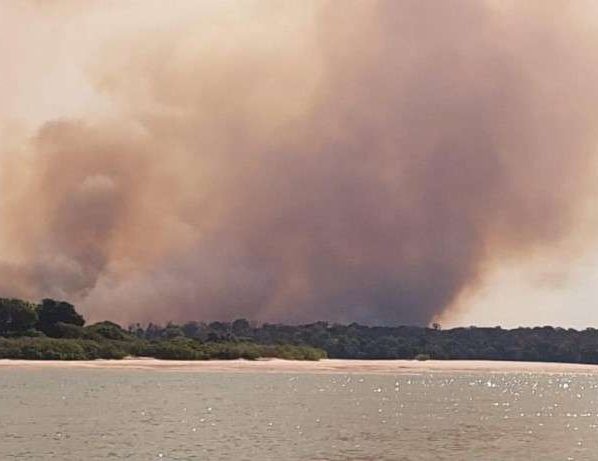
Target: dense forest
x=544 y=344
x=54 y=330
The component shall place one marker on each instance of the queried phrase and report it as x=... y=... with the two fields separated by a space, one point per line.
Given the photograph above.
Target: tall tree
x=16 y=315
x=51 y=313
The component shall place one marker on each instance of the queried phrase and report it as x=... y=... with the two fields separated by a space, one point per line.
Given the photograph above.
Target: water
x=79 y=414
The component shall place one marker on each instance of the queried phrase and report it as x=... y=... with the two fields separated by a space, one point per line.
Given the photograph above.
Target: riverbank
x=321 y=366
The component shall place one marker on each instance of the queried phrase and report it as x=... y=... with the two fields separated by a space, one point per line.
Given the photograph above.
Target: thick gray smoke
x=307 y=161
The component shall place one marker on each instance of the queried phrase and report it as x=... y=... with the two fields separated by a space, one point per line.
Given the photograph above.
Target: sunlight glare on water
x=151 y=415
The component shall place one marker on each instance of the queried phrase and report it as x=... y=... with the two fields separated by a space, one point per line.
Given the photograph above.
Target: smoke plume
x=295 y=161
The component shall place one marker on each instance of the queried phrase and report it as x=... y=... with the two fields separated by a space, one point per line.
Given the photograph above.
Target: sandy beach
x=323 y=366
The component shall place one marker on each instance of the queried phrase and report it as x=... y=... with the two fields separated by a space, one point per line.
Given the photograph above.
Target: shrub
x=58 y=349
x=108 y=330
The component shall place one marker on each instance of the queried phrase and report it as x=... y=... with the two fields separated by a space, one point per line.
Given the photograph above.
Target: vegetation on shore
x=54 y=330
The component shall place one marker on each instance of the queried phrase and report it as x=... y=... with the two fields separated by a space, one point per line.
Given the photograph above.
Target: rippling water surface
x=81 y=414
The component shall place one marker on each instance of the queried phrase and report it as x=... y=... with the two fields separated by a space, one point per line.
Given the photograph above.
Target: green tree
x=52 y=312
x=241 y=327
x=173 y=330
x=109 y=330
x=16 y=316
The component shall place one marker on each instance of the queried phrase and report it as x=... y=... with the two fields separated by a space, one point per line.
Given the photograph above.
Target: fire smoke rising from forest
x=295 y=161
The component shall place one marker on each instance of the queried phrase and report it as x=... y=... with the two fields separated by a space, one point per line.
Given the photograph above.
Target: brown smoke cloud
x=298 y=161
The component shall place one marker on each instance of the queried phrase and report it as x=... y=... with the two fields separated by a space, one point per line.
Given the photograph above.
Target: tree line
x=53 y=329
x=354 y=341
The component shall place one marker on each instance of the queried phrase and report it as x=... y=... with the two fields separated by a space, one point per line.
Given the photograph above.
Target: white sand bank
x=323 y=366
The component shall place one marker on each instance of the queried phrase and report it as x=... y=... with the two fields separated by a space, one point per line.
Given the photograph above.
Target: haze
x=381 y=162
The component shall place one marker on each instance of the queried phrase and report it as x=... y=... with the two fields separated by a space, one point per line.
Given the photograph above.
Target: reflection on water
x=82 y=414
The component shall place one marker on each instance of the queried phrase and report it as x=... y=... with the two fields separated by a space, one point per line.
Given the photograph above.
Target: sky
x=385 y=162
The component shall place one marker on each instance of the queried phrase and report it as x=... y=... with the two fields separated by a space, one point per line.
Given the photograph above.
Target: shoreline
x=325 y=366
